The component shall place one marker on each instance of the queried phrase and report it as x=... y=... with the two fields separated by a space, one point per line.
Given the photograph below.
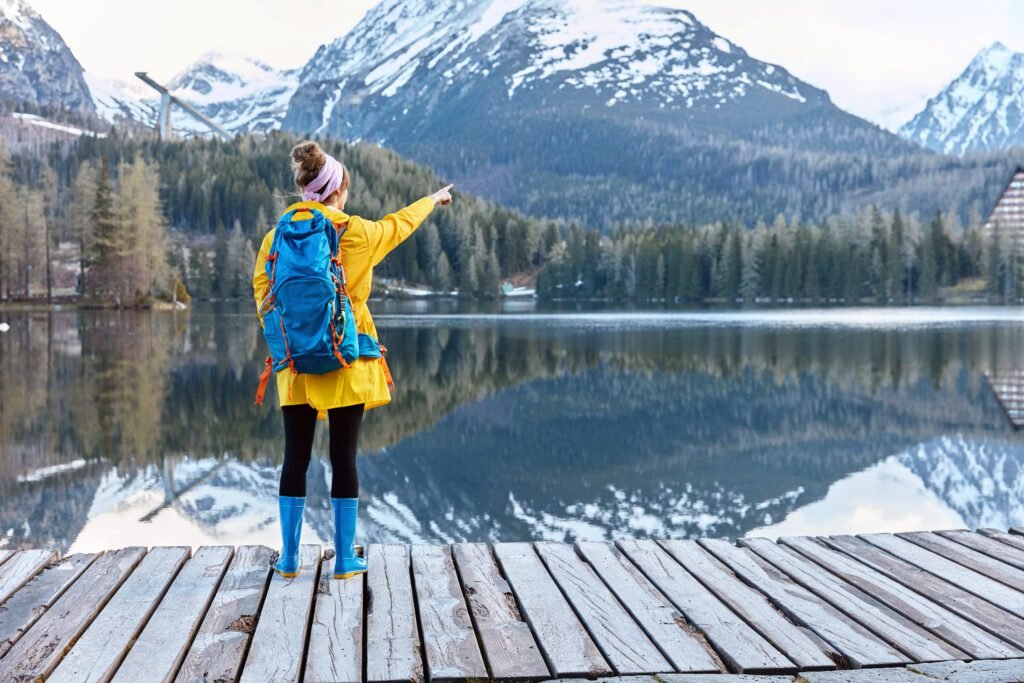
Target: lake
x=518 y=423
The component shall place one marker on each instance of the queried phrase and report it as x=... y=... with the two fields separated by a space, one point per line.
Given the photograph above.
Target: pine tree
x=103 y=258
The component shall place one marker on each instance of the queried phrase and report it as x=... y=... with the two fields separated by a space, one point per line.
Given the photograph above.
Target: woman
x=344 y=394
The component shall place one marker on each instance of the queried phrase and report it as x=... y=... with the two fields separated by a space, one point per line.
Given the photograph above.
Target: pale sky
x=880 y=59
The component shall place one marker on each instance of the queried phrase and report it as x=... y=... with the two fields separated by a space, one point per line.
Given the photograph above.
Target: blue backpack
x=307 y=316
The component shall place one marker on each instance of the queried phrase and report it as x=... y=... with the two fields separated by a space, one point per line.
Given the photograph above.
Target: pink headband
x=328 y=180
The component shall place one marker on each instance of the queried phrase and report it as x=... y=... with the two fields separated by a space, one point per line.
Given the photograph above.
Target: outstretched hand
x=443 y=196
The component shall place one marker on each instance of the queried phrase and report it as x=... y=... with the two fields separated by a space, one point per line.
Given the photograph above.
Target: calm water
x=139 y=428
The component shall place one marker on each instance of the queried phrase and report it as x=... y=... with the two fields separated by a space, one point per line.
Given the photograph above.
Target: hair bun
x=307 y=161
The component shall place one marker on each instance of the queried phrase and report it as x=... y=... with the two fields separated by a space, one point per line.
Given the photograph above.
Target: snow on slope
x=622 y=50
x=982 y=109
x=36 y=66
x=242 y=94
x=117 y=100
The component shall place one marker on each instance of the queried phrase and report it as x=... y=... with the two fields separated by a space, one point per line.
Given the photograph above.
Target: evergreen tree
x=103 y=248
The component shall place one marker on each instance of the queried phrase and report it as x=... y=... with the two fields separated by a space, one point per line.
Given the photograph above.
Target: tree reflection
x=548 y=414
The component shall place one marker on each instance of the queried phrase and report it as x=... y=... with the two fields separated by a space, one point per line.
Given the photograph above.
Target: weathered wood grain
x=973 y=608
x=752 y=607
x=899 y=631
x=509 y=647
x=219 y=646
x=991 y=547
x=283 y=625
x=1004 y=537
x=568 y=649
x=392 y=635
x=5 y=555
x=967 y=579
x=159 y=651
x=743 y=648
x=101 y=649
x=686 y=650
x=336 y=634
x=858 y=646
x=624 y=644
x=947 y=625
x=32 y=600
x=449 y=641
x=39 y=651
x=16 y=572
x=972 y=559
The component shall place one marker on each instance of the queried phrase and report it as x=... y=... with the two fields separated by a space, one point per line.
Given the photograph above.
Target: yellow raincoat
x=364 y=245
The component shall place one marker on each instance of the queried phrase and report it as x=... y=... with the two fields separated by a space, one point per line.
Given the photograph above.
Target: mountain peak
x=981 y=109
x=36 y=66
x=18 y=12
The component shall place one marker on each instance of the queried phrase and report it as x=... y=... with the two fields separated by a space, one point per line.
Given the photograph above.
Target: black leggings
x=299 y=427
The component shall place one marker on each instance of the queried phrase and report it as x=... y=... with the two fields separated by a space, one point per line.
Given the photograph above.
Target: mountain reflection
x=120 y=428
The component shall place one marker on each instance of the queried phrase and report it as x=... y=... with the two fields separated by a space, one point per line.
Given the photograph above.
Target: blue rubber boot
x=291 y=529
x=346 y=563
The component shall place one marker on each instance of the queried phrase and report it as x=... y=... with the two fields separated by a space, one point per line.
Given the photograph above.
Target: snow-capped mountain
x=546 y=104
x=242 y=94
x=118 y=101
x=982 y=109
x=611 y=52
x=36 y=66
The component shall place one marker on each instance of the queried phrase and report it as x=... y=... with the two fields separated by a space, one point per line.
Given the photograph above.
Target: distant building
x=1009 y=211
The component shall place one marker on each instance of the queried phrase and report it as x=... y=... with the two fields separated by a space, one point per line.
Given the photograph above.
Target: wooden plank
x=743 y=648
x=681 y=643
x=983 y=564
x=392 y=635
x=1004 y=537
x=919 y=609
x=971 y=607
x=279 y=641
x=1017 y=530
x=159 y=651
x=568 y=649
x=6 y=555
x=966 y=579
x=751 y=606
x=25 y=607
x=16 y=572
x=336 y=634
x=219 y=646
x=897 y=630
x=857 y=646
x=100 y=650
x=623 y=643
x=449 y=641
x=508 y=645
x=991 y=547
x=39 y=651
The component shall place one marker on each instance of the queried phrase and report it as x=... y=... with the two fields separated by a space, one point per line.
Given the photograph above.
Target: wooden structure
x=1008 y=213
x=1009 y=390
x=515 y=611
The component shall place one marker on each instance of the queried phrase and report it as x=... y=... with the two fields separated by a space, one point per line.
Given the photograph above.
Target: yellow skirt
x=366 y=382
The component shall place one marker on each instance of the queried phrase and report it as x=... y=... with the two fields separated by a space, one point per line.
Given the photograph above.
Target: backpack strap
x=264 y=379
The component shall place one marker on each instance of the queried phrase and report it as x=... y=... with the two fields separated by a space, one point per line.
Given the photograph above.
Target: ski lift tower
x=167 y=100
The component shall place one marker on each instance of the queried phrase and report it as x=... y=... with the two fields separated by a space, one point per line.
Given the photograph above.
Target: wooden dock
x=518 y=611
x=1009 y=390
